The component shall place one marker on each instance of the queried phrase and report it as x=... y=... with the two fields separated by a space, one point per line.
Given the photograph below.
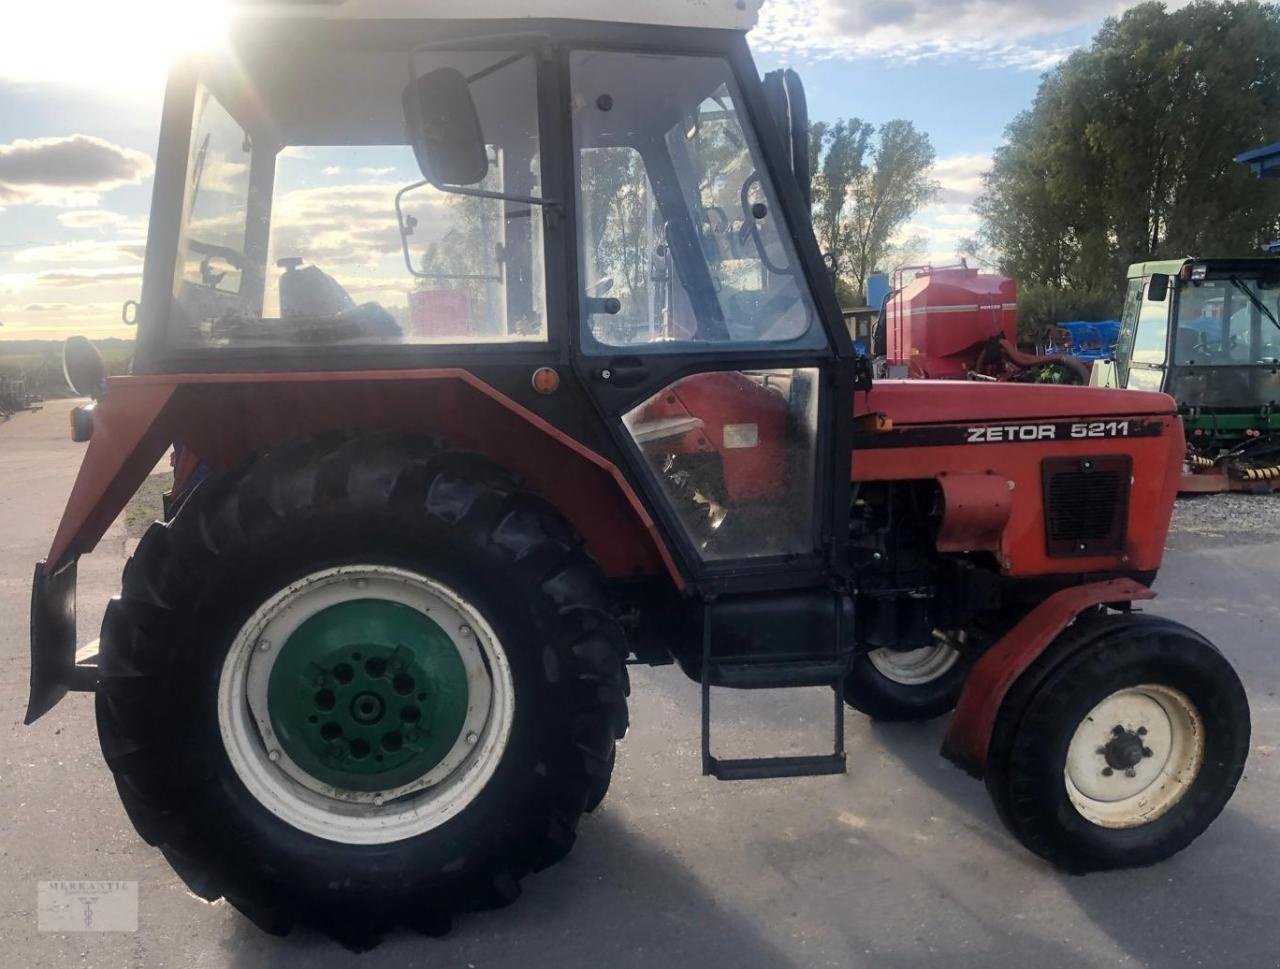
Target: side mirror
x=84 y=368
x=1158 y=288
x=784 y=93
x=444 y=128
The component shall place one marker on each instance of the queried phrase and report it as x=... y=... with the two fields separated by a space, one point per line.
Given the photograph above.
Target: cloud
x=73 y=278
x=1008 y=33
x=350 y=225
x=50 y=307
x=93 y=219
x=940 y=229
x=960 y=177
x=81 y=252
x=70 y=170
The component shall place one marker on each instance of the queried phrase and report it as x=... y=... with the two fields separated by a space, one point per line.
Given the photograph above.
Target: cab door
x=708 y=336
x=1142 y=350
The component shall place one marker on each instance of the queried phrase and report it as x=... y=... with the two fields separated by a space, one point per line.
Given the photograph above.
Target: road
x=900 y=863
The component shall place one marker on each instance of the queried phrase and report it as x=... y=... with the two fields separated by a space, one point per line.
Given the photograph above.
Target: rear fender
x=968 y=739
x=224 y=418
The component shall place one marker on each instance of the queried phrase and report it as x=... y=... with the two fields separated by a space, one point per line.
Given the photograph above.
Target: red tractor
x=571 y=390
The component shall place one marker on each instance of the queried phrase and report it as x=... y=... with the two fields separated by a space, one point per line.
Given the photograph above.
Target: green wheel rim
x=367 y=695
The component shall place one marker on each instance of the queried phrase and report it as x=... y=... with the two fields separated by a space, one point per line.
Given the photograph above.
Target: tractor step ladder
x=781 y=672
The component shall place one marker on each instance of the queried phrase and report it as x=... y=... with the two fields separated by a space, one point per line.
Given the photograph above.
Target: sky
x=81 y=85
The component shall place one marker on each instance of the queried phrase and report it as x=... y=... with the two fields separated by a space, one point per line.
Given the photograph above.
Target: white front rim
x=1134 y=756
x=362 y=817
x=915 y=667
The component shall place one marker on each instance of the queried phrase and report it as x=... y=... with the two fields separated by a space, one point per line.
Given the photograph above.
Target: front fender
x=968 y=738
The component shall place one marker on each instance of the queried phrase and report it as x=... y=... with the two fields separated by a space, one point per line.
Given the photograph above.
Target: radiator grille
x=1086 y=504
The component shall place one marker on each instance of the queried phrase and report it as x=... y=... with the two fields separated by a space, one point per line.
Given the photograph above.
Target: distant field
x=40 y=362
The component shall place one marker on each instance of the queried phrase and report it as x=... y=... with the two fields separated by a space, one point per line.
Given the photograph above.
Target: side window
x=211 y=254
x=733 y=453
x=332 y=238
x=682 y=236
x=1128 y=327
x=1149 y=346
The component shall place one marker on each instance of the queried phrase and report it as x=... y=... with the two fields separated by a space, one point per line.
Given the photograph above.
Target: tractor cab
x=1207 y=332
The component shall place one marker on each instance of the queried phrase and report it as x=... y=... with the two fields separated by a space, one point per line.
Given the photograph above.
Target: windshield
x=290 y=234
x=682 y=233
x=1228 y=321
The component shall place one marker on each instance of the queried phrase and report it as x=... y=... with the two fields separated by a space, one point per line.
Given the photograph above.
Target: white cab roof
x=727 y=14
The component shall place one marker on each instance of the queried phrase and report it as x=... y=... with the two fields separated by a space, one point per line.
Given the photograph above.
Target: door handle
x=624 y=372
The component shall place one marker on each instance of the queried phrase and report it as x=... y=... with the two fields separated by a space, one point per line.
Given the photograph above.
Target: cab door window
x=732 y=452
x=682 y=236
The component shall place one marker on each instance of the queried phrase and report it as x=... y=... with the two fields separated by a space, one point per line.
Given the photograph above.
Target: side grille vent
x=1086 y=504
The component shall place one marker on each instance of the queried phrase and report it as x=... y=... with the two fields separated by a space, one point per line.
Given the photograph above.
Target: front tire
x=352 y=565
x=1120 y=746
x=903 y=686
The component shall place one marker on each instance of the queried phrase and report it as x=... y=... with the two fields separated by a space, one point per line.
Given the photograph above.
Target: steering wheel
x=1215 y=353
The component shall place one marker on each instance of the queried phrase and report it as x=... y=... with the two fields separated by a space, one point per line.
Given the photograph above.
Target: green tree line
x=1126 y=154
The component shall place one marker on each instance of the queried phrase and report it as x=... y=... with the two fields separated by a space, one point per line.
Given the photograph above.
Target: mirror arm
x=480 y=193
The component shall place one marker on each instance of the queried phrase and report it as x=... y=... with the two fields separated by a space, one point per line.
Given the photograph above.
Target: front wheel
x=907 y=685
x=1120 y=745
x=364 y=682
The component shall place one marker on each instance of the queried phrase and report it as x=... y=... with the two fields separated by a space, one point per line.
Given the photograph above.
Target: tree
x=837 y=156
x=1126 y=152
x=868 y=183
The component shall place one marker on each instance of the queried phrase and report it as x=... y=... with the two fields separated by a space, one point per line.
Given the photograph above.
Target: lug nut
x=273 y=756
x=1117 y=730
x=464 y=631
x=264 y=644
x=1146 y=751
x=1142 y=731
x=1131 y=773
x=472 y=737
x=377 y=800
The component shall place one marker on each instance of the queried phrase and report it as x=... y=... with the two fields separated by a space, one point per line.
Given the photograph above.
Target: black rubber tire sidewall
x=869 y=691
x=163 y=658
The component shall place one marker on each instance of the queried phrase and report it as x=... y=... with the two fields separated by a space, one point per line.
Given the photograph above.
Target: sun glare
x=115 y=45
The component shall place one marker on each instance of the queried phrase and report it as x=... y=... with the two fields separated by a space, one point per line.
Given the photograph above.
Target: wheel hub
x=1134 y=756
x=367 y=695
x=1125 y=750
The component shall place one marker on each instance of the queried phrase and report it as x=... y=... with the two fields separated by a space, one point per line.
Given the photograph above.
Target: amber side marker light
x=546 y=381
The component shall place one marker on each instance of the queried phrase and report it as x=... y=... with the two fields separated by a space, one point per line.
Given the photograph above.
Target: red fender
x=224 y=417
x=968 y=738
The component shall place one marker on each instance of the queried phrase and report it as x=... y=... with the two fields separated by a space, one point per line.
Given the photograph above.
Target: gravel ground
x=1253 y=518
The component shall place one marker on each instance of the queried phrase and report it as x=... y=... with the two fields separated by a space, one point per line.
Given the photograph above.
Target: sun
x=126 y=44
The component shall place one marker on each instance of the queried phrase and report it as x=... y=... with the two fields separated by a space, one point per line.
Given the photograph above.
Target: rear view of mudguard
x=53 y=641
x=968 y=738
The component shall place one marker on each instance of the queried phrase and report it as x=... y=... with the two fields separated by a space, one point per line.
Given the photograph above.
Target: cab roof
x=1215 y=264
x=723 y=14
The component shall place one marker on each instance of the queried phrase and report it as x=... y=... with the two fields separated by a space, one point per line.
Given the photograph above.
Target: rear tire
x=1120 y=745
x=383 y=505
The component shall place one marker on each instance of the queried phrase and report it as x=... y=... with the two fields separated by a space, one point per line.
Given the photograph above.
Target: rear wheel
x=1120 y=745
x=906 y=685
x=363 y=682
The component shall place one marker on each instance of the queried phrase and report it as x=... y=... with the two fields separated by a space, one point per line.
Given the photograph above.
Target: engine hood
x=909 y=402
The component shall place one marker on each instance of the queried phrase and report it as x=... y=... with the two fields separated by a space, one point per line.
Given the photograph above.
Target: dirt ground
x=900 y=863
